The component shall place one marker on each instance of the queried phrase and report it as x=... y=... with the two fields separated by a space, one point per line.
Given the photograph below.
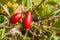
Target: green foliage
x=27 y=3
x=56 y=37
x=52 y=1
x=26 y=38
x=13 y=1
x=1 y=10
x=3 y=2
x=1 y=19
x=2 y=34
x=36 y=2
x=18 y=1
x=45 y=10
x=57 y=24
x=45 y=29
x=9 y=6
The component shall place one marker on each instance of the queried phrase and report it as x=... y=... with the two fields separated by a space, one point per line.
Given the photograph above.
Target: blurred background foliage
x=46 y=19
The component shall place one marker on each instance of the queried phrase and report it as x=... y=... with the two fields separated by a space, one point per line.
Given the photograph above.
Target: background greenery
x=46 y=19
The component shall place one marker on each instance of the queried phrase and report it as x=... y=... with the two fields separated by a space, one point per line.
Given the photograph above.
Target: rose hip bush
x=29 y=19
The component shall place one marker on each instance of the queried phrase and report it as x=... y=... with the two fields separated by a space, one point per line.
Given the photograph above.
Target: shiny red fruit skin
x=15 y=18
x=27 y=21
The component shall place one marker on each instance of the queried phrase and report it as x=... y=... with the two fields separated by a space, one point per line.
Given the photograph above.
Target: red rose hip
x=27 y=20
x=15 y=18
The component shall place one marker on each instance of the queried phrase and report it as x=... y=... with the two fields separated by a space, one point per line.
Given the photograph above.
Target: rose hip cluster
x=18 y=16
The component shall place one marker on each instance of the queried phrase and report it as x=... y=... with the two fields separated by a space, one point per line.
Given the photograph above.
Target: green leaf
x=18 y=1
x=57 y=24
x=27 y=3
x=1 y=10
x=26 y=38
x=56 y=37
x=45 y=10
x=3 y=2
x=2 y=34
x=1 y=19
x=13 y=1
x=52 y=1
x=36 y=2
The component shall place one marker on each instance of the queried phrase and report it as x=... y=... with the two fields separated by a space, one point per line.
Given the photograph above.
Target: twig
x=52 y=36
x=3 y=23
x=19 y=33
x=32 y=33
x=26 y=32
x=55 y=12
x=4 y=9
x=13 y=31
x=53 y=17
x=39 y=5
